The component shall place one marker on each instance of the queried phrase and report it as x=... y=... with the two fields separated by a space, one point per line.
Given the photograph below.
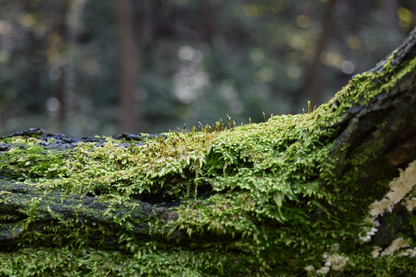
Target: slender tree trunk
x=128 y=74
x=208 y=20
x=72 y=23
x=36 y=66
x=148 y=22
x=64 y=82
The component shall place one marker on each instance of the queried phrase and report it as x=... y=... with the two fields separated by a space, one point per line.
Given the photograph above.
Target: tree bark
x=171 y=204
x=90 y=211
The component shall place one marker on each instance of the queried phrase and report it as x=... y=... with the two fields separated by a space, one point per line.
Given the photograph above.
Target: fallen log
x=327 y=191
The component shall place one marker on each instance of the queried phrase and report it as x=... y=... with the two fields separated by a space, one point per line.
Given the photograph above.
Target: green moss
x=272 y=204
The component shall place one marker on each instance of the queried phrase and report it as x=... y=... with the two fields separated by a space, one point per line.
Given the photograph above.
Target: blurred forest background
x=85 y=67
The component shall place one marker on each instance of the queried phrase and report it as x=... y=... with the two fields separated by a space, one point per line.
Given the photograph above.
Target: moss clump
x=260 y=199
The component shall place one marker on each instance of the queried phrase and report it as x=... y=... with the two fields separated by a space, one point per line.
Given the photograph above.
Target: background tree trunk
x=128 y=78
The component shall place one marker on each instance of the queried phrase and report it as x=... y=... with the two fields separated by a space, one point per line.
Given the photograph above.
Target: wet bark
x=381 y=135
x=94 y=213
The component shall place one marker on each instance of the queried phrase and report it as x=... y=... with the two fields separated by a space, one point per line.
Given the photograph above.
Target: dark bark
x=63 y=86
x=384 y=127
x=95 y=213
x=208 y=21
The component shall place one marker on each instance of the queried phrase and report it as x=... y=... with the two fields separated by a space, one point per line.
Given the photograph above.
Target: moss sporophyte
x=254 y=200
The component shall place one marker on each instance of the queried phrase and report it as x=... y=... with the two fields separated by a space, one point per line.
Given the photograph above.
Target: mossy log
x=330 y=191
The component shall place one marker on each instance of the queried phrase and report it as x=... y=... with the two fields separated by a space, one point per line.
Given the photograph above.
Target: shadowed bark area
x=379 y=137
x=288 y=196
x=101 y=217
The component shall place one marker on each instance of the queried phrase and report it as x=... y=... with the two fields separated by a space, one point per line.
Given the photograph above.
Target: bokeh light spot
x=54 y=73
x=294 y=71
x=278 y=6
x=197 y=56
x=405 y=17
x=53 y=104
x=257 y=55
x=5 y=27
x=265 y=74
x=251 y=10
x=348 y=67
x=404 y=14
x=92 y=67
x=184 y=94
x=353 y=42
x=54 y=39
x=27 y=21
x=52 y=54
x=296 y=41
x=303 y=21
x=333 y=59
x=201 y=78
x=185 y=53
